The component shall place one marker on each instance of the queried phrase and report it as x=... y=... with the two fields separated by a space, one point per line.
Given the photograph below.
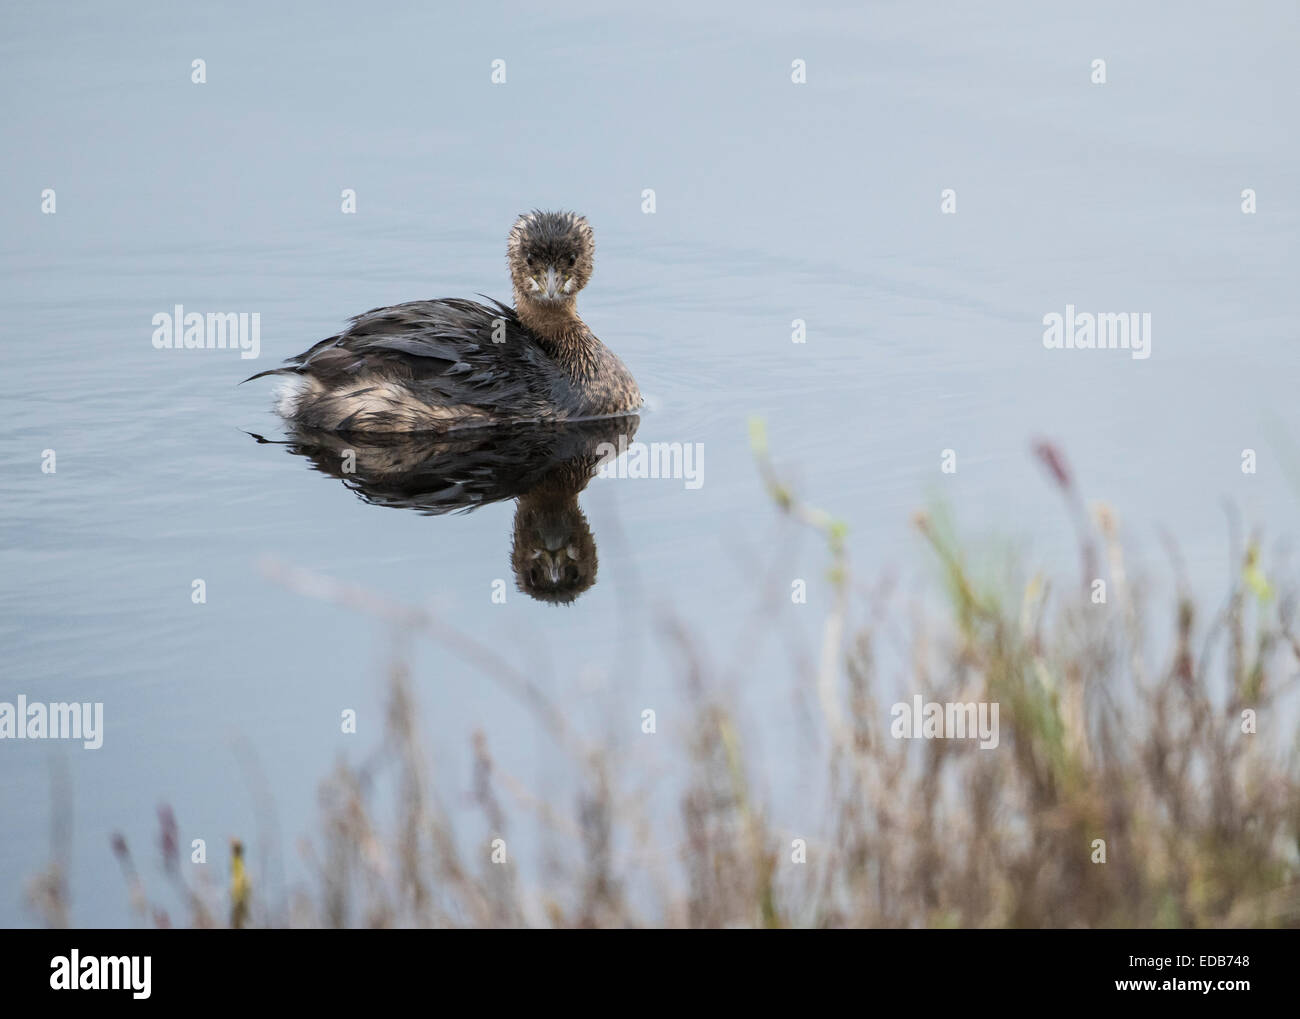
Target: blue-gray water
x=775 y=201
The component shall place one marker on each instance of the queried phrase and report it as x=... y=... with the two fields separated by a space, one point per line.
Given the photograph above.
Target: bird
x=440 y=365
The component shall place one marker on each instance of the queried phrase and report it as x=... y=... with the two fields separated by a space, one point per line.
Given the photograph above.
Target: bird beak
x=553 y=283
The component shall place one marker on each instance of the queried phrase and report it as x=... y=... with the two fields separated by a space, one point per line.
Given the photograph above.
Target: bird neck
x=564 y=335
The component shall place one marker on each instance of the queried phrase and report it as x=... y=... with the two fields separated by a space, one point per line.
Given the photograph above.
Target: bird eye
x=572 y=261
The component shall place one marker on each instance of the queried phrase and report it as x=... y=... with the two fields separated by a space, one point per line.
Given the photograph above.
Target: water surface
x=775 y=202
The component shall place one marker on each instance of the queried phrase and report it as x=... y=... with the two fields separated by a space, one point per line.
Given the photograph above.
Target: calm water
x=774 y=202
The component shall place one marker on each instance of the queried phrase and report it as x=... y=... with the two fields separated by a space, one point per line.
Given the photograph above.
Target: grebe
x=436 y=365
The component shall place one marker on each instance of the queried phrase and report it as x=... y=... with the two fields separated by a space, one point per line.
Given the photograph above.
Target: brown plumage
x=437 y=365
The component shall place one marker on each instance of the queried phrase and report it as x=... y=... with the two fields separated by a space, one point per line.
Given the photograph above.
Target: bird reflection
x=542 y=467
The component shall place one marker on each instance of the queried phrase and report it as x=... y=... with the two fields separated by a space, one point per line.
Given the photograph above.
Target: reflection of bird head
x=554 y=551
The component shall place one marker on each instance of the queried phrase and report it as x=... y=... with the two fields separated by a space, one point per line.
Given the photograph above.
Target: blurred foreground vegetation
x=1156 y=727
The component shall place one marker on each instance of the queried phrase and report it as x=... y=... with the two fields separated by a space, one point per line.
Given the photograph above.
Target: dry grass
x=1102 y=737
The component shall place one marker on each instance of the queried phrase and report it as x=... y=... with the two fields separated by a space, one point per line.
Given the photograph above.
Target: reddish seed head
x=168 y=834
x=1054 y=461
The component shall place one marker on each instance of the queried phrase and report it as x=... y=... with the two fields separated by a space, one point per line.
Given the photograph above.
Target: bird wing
x=446 y=347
